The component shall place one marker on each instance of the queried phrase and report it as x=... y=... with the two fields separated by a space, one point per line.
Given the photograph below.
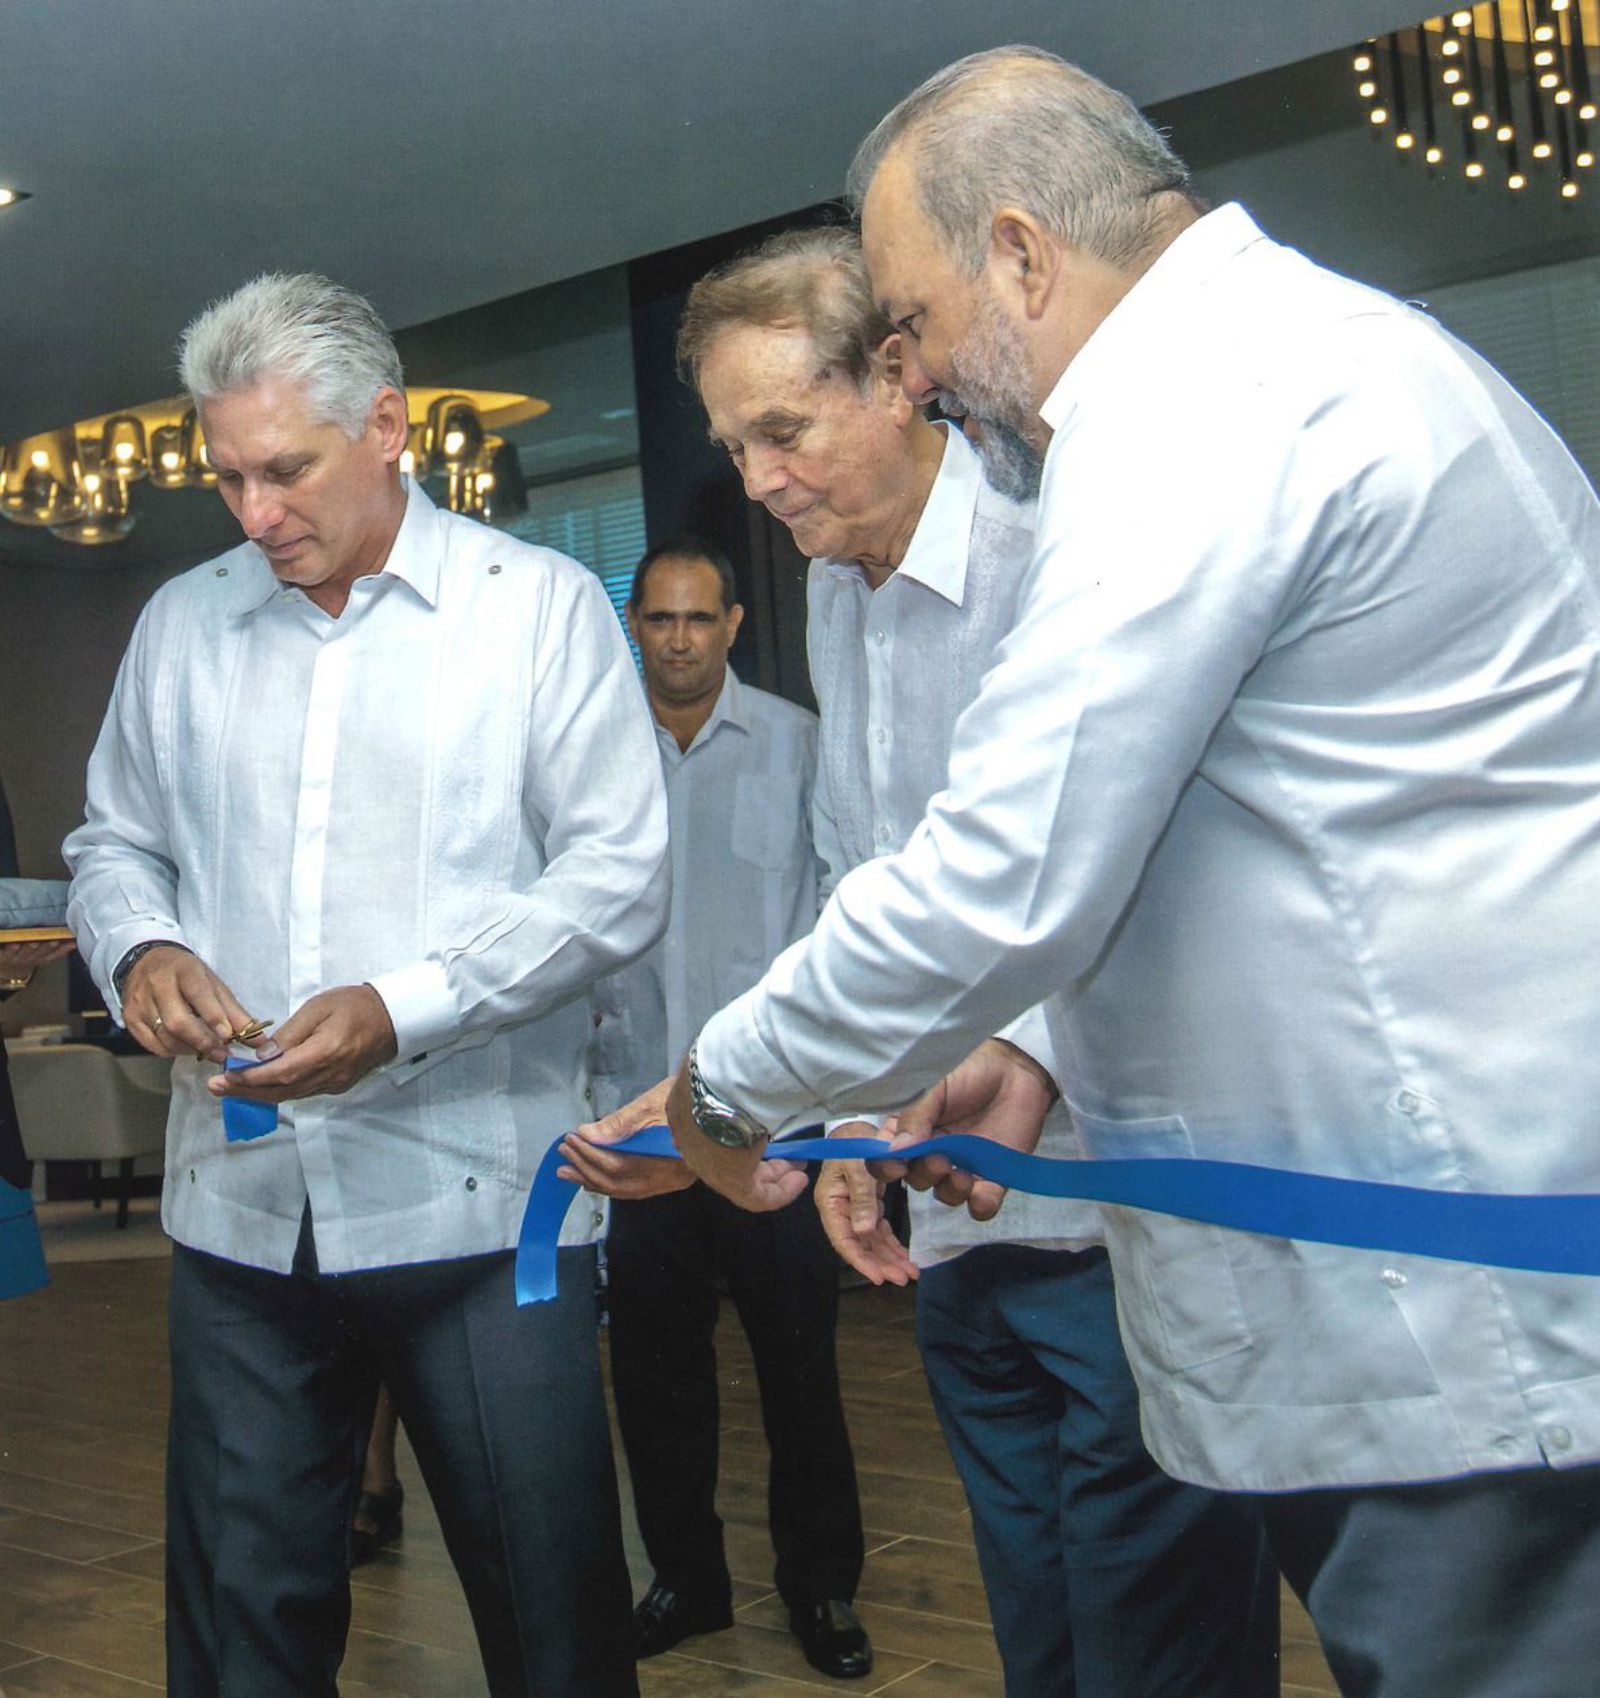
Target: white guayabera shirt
x=1287 y=784
x=744 y=883
x=893 y=669
x=450 y=792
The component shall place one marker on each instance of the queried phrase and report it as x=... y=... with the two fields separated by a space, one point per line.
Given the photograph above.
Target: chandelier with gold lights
x=78 y=481
x=1501 y=91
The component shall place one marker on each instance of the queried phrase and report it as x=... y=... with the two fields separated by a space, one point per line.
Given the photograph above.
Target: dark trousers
x=1105 y=1578
x=1487 y=1587
x=664 y=1257
x=273 y=1382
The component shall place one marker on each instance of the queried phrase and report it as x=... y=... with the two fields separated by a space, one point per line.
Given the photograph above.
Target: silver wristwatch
x=721 y=1122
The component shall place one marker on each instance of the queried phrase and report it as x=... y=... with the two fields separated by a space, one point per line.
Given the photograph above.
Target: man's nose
x=260 y=510
x=914 y=379
x=764 y=473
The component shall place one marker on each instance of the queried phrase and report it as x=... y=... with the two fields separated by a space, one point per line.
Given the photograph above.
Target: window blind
x=598 y=519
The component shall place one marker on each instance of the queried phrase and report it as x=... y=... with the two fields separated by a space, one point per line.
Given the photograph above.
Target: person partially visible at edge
x=1284 y=793
x=1104 y=1577
x=382 y=775
x=21 y=1261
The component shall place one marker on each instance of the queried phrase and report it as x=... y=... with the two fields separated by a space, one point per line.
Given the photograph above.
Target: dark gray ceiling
x=442 y=155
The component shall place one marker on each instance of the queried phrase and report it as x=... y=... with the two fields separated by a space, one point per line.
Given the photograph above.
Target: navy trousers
x=664 y=1256
x=1105 y=1578
x=1485 y=1587
x=274 y=1377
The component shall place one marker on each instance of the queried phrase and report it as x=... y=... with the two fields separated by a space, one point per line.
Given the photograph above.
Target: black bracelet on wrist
x=119 y=973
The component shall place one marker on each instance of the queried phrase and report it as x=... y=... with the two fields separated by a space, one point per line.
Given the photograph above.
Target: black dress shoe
x=663 y=1617
x=833 y=1640
x=384 y=1513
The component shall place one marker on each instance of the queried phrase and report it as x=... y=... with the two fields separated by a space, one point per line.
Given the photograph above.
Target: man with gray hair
x=1105 y=1578
x=1283 y=790
x=304 y=805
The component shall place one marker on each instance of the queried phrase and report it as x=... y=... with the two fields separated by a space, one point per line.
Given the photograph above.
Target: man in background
x=739 y=766
x=380 y=775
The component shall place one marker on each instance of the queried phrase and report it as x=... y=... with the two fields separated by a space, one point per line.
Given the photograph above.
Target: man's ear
x=887 y=355
x=735 y=620
x=1024 y=258
x=887 y=371
x=388 y=419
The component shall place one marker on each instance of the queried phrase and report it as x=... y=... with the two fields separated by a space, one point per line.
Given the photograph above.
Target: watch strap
x=119 y=973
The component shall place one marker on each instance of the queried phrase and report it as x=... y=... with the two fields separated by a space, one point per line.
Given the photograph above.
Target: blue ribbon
x=1546 y=1234
x=243 y=1119
x=21 y=1257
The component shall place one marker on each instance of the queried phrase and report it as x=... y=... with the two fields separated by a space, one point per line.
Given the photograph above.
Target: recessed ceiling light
x=10 y=197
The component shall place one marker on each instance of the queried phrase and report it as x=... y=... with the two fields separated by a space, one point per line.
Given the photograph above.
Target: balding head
x=1018 y=127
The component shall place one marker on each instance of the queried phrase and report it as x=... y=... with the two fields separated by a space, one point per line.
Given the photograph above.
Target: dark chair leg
x=124 y=1189
x=94 y=1183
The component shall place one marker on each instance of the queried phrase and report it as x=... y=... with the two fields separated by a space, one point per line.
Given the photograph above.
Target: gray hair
x=1016 y=126
x=326 y=338
x=813 y=279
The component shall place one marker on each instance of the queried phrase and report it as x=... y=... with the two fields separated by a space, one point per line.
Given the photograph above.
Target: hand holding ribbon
x=999 y=1092
x=755 y=1181
x=849 y=1198
x=587 y=1161
x=1554 y=1234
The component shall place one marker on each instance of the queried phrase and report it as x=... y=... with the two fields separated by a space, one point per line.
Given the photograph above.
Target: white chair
x=77 y=1102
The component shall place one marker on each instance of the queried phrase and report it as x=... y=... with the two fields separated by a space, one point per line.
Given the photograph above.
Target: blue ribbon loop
x=1543 y=1234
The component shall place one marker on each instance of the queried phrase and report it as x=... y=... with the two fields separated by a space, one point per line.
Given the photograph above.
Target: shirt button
x=494 y=571
x=222 y=571
x=1408 y=1102
x=883 y=834
x=597 y=1218
x=472 y=1184
x=881 y=636
x=1506 y=1444
x=1393 y=1278
x=881 y=735
x=1560 y=1438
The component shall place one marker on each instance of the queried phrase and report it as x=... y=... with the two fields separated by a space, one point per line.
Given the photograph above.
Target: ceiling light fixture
x=77 y=480
x=1521 y=70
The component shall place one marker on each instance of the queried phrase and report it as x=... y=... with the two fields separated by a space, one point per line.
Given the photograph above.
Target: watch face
x=723 y=1129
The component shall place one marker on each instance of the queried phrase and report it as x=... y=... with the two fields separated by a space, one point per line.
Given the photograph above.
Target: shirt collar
x=418 y=552
x=730 y=708
x=1189 y=262
x=942 y=541
x=415 y=557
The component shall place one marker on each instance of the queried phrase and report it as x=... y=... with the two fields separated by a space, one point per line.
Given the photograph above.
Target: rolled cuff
x=422 y=1008
x=832 y=1126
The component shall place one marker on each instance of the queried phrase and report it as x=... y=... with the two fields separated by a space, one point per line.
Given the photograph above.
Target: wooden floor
x=82 y=1408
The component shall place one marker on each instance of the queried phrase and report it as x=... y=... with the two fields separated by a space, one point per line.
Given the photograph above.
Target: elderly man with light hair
x=1105 y=1578
x=1283 y=789
x=307 y=805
